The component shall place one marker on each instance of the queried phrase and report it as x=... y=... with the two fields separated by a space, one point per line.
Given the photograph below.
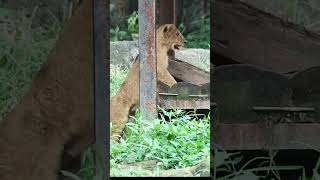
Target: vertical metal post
x=101 y=89
x=147 y=55
x=167 y=12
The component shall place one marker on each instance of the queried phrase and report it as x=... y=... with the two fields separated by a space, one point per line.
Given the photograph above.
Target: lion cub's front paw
x=172 y=83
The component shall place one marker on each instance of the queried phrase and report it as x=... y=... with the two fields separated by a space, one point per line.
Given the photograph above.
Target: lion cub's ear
x=168 y=27
x=165 y=29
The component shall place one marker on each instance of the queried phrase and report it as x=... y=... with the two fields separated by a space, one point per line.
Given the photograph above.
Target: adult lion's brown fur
x=168 y=37
x=57 y=108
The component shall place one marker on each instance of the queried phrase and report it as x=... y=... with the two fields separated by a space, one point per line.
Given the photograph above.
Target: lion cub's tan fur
x=168 y=37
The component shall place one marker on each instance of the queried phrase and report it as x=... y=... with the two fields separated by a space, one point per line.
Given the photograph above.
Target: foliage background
x=194 y=26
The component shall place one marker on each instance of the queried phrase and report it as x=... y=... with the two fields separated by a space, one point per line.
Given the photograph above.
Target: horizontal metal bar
x=196 y=114
x=200 y=95
x=173 y=94
x=269 y=108
x=168 y=94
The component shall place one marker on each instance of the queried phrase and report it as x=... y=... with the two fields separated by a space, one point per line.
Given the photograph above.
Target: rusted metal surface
x=101 y=91
x=262 y=136
x=147 y=55
x=167 y=12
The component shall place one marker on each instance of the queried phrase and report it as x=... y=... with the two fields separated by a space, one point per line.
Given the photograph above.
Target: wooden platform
x=193 y=90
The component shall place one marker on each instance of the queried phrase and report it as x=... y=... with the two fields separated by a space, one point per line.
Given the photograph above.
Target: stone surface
x=196 y=57
x=124 y=52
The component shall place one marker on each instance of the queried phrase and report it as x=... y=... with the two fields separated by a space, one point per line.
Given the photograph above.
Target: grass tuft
x=23 y=48
x=178 y=143
x=118 y=74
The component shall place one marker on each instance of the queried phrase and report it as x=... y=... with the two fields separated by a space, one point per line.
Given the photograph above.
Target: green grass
x=118 y=74
x=181 y=142
x=23 y=48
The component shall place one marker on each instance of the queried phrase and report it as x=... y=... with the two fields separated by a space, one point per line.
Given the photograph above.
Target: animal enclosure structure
x=101 y=89
x=266 y=80
x=191 y=93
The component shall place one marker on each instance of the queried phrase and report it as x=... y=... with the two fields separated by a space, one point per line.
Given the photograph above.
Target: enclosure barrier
x=101 y=90
x=147 y=56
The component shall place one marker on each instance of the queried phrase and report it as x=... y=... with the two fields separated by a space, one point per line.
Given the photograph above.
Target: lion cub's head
x=170 y=36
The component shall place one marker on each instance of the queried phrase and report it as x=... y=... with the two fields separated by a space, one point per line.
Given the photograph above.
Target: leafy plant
x=180 y=142
x=117 y=34
x=226 y=166
x=88 y=165
x=133 y=24
x=133 y=27
x=199 y=37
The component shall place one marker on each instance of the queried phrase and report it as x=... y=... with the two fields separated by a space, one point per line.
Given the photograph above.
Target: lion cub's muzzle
x=178 y=46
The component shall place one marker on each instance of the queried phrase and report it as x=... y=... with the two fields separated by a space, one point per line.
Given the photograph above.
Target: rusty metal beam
x=167 y=12
x=147 y=55
x=262 y=136
x=101 y=89
x=285 y=109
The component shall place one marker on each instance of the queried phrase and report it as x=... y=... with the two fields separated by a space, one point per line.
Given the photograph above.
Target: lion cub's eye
x=177 y=34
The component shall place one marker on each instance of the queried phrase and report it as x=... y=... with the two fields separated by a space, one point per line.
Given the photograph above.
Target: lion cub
x=168 y=37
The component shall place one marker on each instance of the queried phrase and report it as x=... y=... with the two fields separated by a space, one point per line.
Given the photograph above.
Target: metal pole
x=147 y=55
x=101 y=89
